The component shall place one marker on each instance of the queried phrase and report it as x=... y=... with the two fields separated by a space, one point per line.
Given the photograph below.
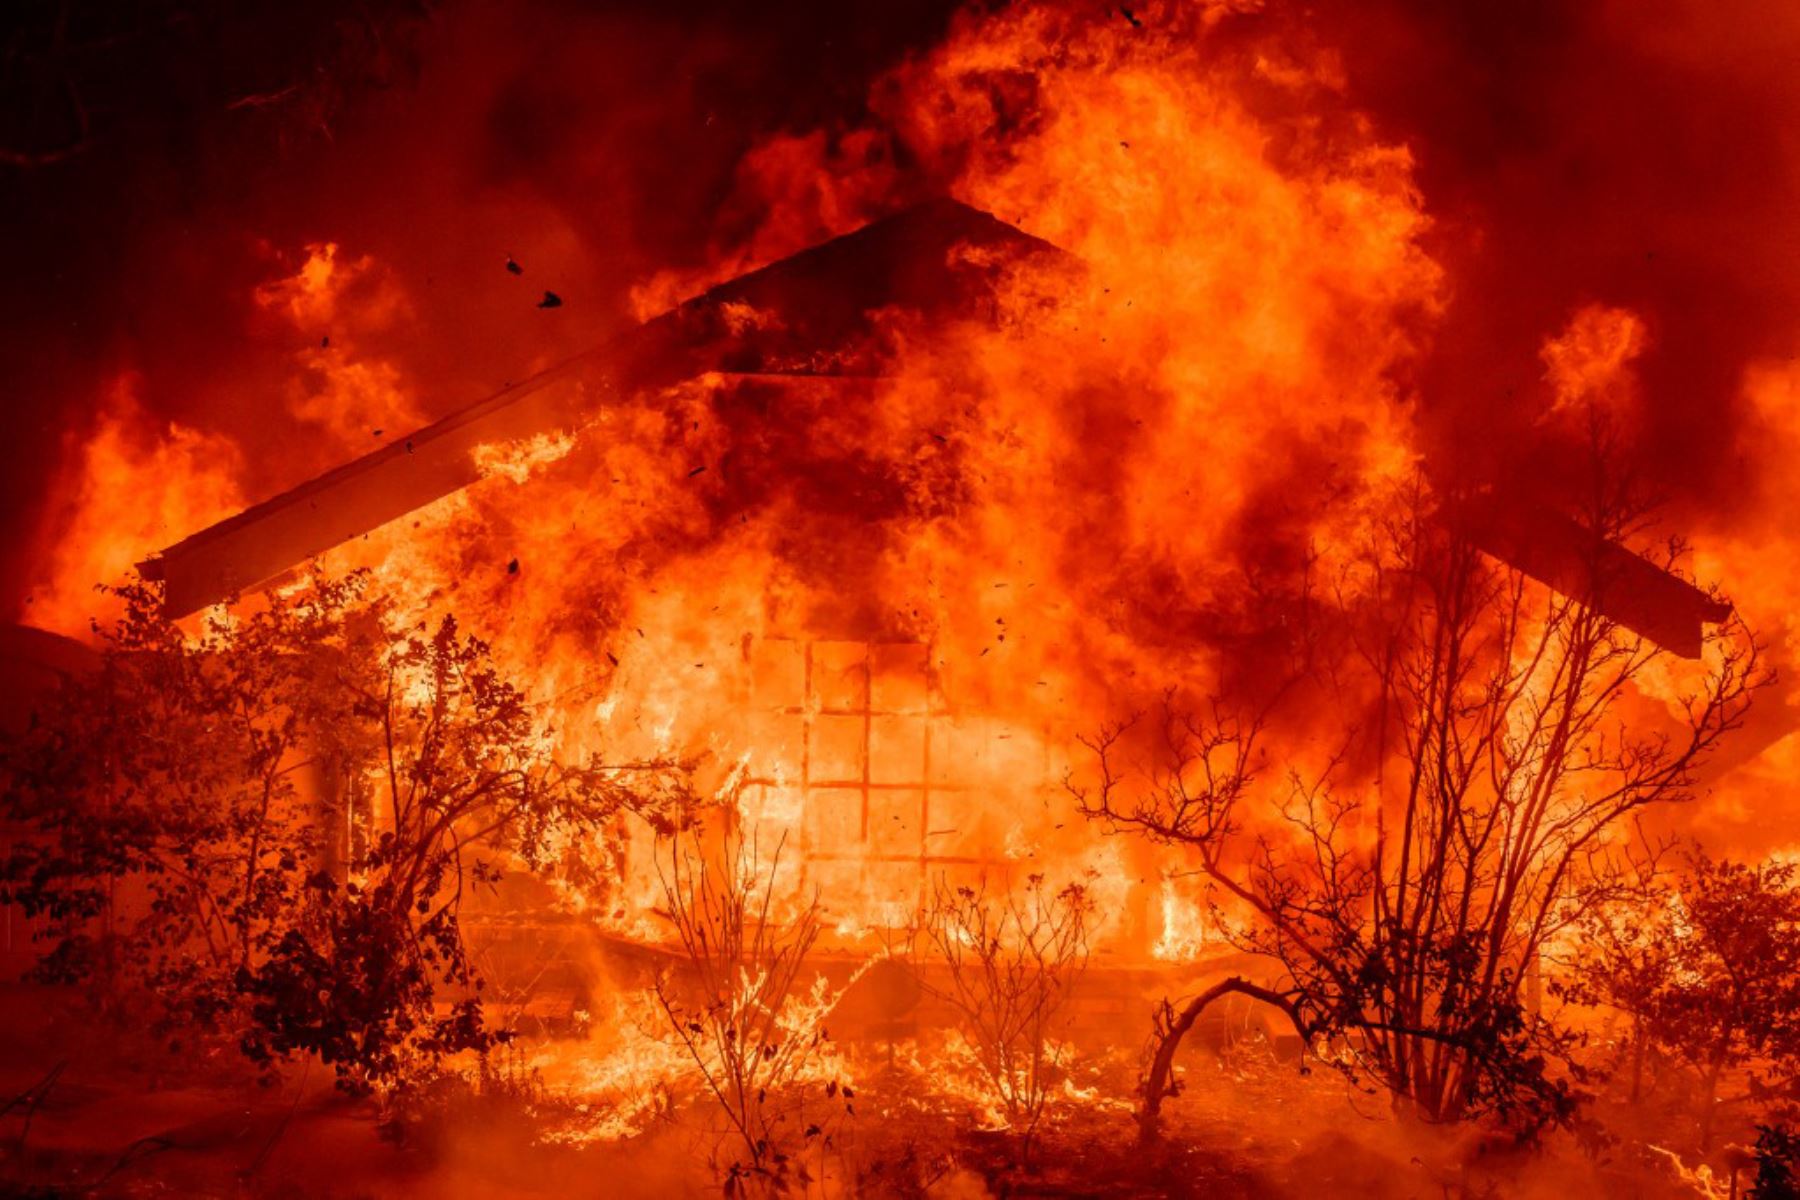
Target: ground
x=120 y=1119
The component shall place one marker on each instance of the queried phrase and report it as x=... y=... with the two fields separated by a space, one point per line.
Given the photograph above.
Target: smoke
x=1566 y=156
x=1352 y=235
x=1638 y=157
x=591 y=143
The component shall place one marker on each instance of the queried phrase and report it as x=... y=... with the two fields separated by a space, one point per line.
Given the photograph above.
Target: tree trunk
x=1157 y=1077
x=1710 y=1100
x=1637 y=1058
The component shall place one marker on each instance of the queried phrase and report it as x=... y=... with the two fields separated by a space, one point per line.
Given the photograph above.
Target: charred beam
x=1563 y=554
x=817 y=313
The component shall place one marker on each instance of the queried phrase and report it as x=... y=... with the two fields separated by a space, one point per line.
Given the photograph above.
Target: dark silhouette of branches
x=302 y=795
x=1406 y=910
x=1009 y=962
x=73 y=76
x=739 y=1009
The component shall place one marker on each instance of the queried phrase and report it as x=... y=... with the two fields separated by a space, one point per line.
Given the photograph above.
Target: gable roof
x=816 y=313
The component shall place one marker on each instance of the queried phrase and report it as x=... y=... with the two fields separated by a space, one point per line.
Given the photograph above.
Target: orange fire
x=131 y=482
x=1057 y=508
x=880 y=611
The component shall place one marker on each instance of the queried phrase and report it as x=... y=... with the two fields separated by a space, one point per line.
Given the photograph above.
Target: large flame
x=132 y=482
x=880 y=610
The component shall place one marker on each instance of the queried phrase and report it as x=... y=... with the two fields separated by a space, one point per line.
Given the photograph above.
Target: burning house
x=876 y=756
x=975 y=633
x=861 y=758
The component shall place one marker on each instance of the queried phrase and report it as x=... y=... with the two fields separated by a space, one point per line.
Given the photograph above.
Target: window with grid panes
x=862 y=759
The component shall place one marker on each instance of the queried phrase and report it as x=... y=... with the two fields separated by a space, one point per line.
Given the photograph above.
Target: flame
x=324 y=290
x=1252 y=292
x=1591 y=360
x=1254 y=288
x=133 y=485
x=1754 y=545
x=334 y=303
x=517 y=460
x=878 y=612
x=623 y=1072
x=1183 y=937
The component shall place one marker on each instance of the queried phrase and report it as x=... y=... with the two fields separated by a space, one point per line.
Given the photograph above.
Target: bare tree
x=756 y=1036
x=1405 y=912
x=72 y=83
x=1010 y=962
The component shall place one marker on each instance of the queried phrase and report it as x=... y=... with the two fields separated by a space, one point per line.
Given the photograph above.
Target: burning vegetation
x=1076 y=630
